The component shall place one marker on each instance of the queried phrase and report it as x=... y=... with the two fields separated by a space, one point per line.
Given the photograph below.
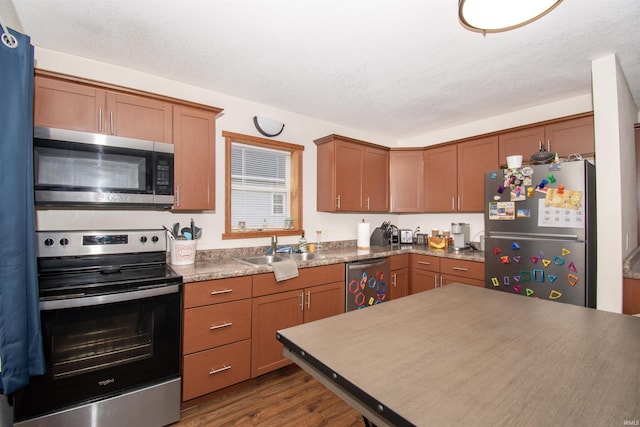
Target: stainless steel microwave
x=74 y=168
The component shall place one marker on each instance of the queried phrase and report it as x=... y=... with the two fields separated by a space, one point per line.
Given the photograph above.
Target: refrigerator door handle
x=532 y=236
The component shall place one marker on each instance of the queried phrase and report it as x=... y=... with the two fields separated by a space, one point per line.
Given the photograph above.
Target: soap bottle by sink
x=302 y=244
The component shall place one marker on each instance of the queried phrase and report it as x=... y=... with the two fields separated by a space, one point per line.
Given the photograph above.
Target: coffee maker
x=460 y=232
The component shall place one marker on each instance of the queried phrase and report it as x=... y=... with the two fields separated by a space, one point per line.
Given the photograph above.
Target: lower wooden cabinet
x=214 y=369
x=271 y=313
x=399 y=271
x=216 y=337
x=424 y=273
x=462 y=271
x=630 y=296
x=430 y=272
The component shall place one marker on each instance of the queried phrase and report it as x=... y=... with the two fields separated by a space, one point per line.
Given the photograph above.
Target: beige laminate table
x=468 y=356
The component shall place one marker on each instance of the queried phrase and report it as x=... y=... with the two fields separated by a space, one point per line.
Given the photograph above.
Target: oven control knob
x=154 y=239
x=143 y=239
x=49 y=242
x=64 y=241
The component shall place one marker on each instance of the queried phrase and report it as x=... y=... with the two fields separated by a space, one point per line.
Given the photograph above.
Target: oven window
x=71 y=168
x=99 y=342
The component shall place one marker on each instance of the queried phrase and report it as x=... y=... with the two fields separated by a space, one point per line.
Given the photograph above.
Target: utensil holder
x=183 y=252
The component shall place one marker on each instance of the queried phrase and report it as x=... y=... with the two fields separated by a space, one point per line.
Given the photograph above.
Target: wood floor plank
x=287 y=397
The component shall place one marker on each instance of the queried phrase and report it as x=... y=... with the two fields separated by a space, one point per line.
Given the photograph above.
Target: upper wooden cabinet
x=475 y=157
x=405 y=179
x=565 y=137
x=454 y=175
x=353 y=176
x=77 y=106
x=440 y=179
x=72 y=103
x=194 y=140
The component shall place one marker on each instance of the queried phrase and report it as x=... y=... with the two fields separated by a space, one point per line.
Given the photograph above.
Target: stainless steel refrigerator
x=540 y=232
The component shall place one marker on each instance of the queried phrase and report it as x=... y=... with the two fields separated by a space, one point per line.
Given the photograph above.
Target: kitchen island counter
x=463 y=355
x=218 y=264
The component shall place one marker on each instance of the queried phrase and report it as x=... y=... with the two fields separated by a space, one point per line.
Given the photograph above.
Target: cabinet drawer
x=214 y=325
x=462 y=268
x=448 y=279
x=265 y=284
x=425 y=262
x=396 y=262
x=214 y=369
x=214 y=291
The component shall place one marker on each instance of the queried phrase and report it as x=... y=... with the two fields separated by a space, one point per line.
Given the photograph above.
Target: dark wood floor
x=287 y=397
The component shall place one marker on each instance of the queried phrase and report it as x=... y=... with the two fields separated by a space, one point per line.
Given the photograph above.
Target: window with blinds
x=260 y=187
x=263 y=187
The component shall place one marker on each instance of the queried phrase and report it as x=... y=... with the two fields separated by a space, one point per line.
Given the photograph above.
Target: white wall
x=614 y=115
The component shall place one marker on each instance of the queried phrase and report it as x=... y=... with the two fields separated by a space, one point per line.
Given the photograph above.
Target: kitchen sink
x=258 y=260
x=305 y=256
x=261 y=259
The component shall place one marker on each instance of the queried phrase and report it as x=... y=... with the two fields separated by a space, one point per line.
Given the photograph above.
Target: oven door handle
x=106 y=299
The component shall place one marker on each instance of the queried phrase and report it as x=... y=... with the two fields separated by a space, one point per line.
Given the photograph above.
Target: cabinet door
x=67 y=105
x=399 y=286
x=525 y=142
x=423 y=280
x=440 y=179
x=194 y=139
x=406 y=182
x=375 y=180
x=138 y=117
x=573 y=136
x=324 y=301
x=474 y=159
x=269 y=314
x=349 y=173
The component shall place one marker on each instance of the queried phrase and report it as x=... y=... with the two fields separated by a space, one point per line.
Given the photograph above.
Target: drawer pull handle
x=225 y=291
x=215 y=371
x=224 y=325
x=424 y=262
x=460 y=268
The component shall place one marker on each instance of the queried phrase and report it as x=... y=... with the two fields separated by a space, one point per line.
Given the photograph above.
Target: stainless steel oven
x=111 y=323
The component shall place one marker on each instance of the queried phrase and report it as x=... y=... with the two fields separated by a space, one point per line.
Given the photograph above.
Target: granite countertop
x=209 y=266
x=631 y=265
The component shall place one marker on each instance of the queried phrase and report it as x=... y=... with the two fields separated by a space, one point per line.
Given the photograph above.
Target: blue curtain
x=21 y=353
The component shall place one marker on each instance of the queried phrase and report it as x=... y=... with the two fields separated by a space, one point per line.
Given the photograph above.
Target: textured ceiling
x=398 y=68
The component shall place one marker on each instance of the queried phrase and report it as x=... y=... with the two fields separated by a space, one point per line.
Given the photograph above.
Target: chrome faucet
x=274 y=244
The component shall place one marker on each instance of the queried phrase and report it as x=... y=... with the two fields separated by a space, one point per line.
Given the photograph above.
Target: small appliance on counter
x=422 y=239
x=385 y=235
x=460 y=232
x=406 y=237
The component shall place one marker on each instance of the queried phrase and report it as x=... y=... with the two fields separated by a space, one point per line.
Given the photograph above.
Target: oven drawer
x=197 y=294
x=214 y=369
x=215 y=325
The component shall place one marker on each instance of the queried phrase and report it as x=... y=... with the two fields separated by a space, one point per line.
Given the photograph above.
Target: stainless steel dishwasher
x=366 y=283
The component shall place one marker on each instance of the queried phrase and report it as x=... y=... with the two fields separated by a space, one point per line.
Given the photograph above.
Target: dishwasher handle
x=367 y=264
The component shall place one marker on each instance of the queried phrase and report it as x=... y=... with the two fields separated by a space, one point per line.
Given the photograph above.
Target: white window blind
x=260 y=186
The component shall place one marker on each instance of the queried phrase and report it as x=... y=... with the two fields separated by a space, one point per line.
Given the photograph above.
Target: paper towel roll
x=364 y=235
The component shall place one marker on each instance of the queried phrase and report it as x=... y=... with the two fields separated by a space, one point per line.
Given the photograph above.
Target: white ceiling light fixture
x=268 y=127
x=494 y=16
